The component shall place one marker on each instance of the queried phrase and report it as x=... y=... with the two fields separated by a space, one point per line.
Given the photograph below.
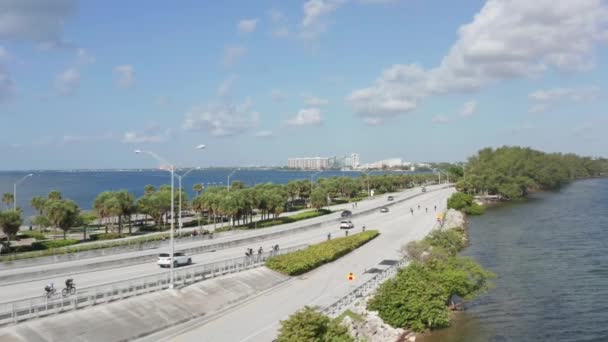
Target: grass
x=300 y=262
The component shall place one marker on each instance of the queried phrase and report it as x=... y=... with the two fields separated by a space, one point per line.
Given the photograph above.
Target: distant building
x=354 y=159
x=314 y=163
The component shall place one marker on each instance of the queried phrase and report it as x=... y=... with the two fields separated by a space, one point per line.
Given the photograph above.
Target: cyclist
x=69 y=283
x=50 y=288
x=412 y=211
x=328 y=236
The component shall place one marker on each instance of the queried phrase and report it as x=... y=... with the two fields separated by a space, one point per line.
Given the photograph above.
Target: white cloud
x=247 y=25
x=277 y=95
x=505 y=40
x=126 y=75
x=233 y=53
x=315 y=16
x=226 y=86
x=281 y=32
x=306 y=117
x=543 y=99
x=264 y=134
x=441 y=119
x=280 y=23
x=152 y=134
x=37 y=21
x=316 y=102
x=468 y=109
x=373 y=2
x=6 y=85
x=84 y=58
x=68 y=81
x=222 y=120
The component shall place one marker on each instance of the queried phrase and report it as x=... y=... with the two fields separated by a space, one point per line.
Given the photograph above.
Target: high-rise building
x=354 y=158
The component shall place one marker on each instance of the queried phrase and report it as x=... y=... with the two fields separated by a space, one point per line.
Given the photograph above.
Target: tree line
x=513 y=172
x=114 y=210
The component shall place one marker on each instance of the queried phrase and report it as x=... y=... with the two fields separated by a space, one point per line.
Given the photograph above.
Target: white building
x=314 y=163
x=354 y=159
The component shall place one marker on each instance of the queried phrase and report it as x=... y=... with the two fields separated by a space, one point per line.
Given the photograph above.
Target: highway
x=28 y=289
x=258 y=319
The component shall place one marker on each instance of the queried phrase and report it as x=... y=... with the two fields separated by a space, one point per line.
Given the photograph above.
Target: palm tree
x=54 y=195
x=10 y=221
x=62 y=214
x=7 y=199
x=198 y=188
x=101 y=207
x=148 y=189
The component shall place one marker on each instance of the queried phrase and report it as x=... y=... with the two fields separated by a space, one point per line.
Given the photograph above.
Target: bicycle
x=68 y=291
x=48 y=293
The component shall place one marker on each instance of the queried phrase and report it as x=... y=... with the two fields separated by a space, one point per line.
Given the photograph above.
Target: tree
x=8 y=199
x=198 y=188
x=101 y=207
x=148 y=189
x=309 y=325
x=318 y=198
x=62 y=213
x=10 y=222
x=37 y=203
x=54 y=195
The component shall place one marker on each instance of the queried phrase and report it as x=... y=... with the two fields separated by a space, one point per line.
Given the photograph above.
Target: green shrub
x=104 y=236
x=475 y=209
x=31 y=234
x=460 y=201
x=451 y=240
x=309 y=325
x=50 y=244
x=285 y=219
x=316 y=255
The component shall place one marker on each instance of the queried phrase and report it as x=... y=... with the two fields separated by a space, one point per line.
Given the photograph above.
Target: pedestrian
x=276 y=247
x=328 y=236
x=435 y=208
x=418 y=206
x=363 y=228
x=426 y=210
x=346 y=233
x=412 y=211
x=1 y=247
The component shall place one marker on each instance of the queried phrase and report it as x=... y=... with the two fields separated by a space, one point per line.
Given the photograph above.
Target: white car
x=346 y=225
x=164 y=259
x=384 y=210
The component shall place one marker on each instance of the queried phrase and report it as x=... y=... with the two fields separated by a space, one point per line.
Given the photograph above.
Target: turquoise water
x=551 y=257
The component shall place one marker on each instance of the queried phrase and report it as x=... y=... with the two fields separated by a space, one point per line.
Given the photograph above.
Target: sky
x=85 y=83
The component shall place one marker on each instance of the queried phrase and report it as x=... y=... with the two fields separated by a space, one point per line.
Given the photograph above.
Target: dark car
x=423 y=189
x=346 y=213
x=390 y=198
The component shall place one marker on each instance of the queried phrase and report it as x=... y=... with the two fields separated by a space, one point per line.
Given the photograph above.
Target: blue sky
x=84 y=83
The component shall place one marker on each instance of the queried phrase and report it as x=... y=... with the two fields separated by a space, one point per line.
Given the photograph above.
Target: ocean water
x=84 y=186
x=551 y=257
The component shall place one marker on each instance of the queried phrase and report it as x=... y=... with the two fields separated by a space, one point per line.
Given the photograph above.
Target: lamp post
x=228 y=180
x=15 y=190
x=367 y=178
x=179 y=210
x=172 y=171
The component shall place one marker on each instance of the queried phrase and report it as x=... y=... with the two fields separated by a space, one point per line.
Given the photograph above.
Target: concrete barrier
x=144 y=315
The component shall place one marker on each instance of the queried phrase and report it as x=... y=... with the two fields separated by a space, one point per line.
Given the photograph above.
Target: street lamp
x=15 y=190
x=172 y=171
x=228 y=181
x=179 y=181
x=367 y=178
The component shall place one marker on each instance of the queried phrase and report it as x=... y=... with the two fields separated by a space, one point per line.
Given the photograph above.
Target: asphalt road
x=258 y=319
x=35 y=288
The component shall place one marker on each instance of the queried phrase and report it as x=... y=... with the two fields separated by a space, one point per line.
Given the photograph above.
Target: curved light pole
x=228 y=181
x=172 y=171
x=179 y=210
x=367 y=178
x=15 y=189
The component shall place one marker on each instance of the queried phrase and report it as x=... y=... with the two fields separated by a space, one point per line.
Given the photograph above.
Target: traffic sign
x=350 y=276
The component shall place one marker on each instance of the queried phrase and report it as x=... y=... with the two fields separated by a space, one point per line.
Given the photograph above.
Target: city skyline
x=83 y=85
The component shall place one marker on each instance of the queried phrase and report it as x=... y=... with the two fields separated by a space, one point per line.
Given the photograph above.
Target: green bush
x=475 y=209
x=104 y=236
x=316 y=255
x=460 y=201
x=285 y=219
x=50 y=244
x=309 y=325
x=31 y=234
x=451 y=240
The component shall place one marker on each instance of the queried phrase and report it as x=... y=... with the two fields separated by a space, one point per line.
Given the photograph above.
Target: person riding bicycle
x=69 y=283
x=49 y=288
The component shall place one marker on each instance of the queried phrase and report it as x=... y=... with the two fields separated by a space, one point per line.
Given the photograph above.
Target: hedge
x=104 y=236
x=49 y=244
x=299 y=262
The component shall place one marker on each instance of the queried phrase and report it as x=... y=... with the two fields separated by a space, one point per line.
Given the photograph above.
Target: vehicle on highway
x=423 y=189
x=346 y=213
x=390 y=198
x=346 y=225
x=384 y=210
x=164 y=259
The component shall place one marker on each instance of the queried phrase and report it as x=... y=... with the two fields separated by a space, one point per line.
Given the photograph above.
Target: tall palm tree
x=7 y=199
x=54 y=195
x=198 y=188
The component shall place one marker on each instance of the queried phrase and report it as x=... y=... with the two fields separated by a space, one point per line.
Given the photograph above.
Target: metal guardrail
x=363 y=290
x=21 y=310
